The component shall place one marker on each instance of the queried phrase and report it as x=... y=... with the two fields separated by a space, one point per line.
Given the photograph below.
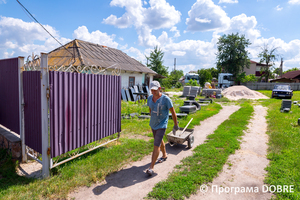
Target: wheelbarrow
x=182 y=135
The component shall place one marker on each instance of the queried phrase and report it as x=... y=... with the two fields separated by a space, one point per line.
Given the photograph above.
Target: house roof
x=78 y=53
x=291 y=74
x=259 y=64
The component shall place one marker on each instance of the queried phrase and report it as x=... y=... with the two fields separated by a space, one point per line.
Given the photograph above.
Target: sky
x=187 y=30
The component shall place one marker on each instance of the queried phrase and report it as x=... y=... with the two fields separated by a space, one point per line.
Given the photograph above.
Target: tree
x=277 y=71
x=205 y=76
x=232 y=56
x=268 y=56
x=156 y=62
x=173 y=79
x=289 y=70
x=214 y=72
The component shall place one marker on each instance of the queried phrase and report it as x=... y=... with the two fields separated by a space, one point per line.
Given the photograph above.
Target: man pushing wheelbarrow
x=159 y=106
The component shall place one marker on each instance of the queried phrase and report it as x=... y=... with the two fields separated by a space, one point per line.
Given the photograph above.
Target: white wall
x=139 y=78
x=125 y=78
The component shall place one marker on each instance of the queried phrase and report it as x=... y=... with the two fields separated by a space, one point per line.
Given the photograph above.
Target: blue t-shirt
x=159 y=111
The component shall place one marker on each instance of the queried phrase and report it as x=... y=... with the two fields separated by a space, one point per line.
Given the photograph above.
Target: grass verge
x=284 y=148
x=84 y=171
x=207 y=160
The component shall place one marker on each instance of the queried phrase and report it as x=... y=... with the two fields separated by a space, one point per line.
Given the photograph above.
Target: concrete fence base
x=12 y=143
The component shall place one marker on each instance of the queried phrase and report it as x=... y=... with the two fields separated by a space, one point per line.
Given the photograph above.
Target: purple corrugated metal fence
x=83 y=108
x=9 y=94
x=32 y=109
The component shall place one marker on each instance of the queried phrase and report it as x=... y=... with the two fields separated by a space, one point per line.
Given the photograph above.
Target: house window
x=131 y=81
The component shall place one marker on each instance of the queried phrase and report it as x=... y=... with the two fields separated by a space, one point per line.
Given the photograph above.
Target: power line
x=44 y=28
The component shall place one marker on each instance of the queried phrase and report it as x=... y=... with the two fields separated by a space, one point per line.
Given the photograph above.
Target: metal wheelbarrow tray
x=179 y=138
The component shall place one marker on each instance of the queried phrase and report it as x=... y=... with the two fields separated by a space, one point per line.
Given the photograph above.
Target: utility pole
x=174 y=64
x=281 y=66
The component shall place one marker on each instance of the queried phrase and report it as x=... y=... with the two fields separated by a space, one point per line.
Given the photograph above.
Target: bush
x=192 y=83
x=178 y=85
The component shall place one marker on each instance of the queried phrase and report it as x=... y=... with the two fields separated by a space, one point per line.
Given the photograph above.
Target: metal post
x=44 y=115
x=21 y=107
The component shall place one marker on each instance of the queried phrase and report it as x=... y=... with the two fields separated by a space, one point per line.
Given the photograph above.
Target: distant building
x=289 y=77
x=255 y=68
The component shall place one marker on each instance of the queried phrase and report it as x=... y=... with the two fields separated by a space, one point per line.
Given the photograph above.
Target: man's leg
x=163 y=149
x=155 y=154
x=158 y=144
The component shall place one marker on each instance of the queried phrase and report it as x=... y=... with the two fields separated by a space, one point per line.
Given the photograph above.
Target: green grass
x=94 y=166
x=83 y=171
x=129 y=125
x=207 y=160
x=284 y=146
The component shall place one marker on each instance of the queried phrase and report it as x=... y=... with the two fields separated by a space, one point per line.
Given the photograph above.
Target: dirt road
x=133 y=183
x=245 y=168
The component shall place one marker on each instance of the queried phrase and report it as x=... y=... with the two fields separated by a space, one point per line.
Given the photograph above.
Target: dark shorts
x=158 y=136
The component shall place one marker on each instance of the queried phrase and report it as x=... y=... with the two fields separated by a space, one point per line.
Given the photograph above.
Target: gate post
x=44 y=115
x=21 y=107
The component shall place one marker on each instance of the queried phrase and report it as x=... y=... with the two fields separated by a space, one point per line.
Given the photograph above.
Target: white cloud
x=294 y=2
x=278 y=8
x=228 y=1
x=202 y=20
x=2 y=1
x=123 y=47
x=8 y=55
x=135 y=53
x=189 y=52
x=97 y=37
x=164 y=39
x=122 y=22
x=178 y=53
x=159 y=14
x=244 y=25
x=206 y=16
x=19 y=38
x=177 y=32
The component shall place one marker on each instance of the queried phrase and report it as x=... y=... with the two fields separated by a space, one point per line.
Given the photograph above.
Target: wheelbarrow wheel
x=191 y=141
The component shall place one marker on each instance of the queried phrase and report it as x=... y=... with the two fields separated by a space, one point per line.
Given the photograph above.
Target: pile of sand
x=242 y=92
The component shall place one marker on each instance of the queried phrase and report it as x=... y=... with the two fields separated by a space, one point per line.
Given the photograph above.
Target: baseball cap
x=154 y=85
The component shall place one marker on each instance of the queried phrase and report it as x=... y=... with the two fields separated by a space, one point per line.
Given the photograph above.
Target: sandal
x=149 y=172
x=160 y=160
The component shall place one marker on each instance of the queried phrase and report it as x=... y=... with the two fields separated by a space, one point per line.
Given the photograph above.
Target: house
x=255 y=68
x=289 y=77
x=81 y=53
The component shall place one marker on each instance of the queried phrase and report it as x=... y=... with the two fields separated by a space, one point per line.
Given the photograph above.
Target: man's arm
x=174 y=116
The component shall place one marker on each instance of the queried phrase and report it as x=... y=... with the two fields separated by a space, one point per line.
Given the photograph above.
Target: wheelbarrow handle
x=186 y=126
